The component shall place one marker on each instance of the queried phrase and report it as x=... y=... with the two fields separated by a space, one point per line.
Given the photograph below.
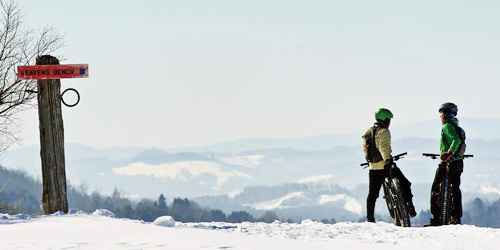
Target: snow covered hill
x=96 y=232
x=318 y=199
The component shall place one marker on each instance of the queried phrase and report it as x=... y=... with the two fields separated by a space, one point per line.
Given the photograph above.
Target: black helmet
x=449 y=109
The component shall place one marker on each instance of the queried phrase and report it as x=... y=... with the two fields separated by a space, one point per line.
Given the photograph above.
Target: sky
x=182 y=73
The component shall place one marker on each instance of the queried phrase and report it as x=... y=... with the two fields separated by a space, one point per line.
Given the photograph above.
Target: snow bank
x=210 y=225
x=76 y=211
x=58 y=213
x=447 y=237
x=11 y=219
x=86 y=232
x=103 y=212
x=165 y=221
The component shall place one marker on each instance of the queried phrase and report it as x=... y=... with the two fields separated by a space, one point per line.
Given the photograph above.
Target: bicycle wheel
x=402 y=216
x=444 y=201
x=388 y=199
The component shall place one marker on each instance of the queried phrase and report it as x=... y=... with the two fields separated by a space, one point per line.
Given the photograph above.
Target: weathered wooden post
x=48 y=73
x=54 y=196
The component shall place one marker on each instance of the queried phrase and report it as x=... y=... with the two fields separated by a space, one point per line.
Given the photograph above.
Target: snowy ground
x=97 y=232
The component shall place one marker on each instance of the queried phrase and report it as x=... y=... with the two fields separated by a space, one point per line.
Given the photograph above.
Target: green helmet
x=383 y=114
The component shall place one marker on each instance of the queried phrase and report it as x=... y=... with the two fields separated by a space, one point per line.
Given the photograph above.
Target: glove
x=445 y=157
x=442 y=166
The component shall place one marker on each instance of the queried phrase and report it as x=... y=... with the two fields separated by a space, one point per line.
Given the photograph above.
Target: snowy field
x=99 y=232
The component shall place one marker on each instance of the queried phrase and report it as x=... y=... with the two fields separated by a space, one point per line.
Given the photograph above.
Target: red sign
x=53 y=71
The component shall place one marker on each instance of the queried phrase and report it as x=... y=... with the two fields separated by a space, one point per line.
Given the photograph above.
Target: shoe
x=432 y=223
x=455 y=221
x=411 y=210
x=371 y=220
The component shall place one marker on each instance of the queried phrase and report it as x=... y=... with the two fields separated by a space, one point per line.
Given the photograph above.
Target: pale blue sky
x=176 y=73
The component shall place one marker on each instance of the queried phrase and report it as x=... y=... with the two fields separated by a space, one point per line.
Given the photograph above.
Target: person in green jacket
x=452 y=150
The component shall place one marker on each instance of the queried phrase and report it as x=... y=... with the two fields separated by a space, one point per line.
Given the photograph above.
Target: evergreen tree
x=146 y=210
x=268 y=217
x=328 y=221
x=493 y=215
x=162 y=202
x=185 y=210
x=213 y=216
x=476 y=213
x=240 y=216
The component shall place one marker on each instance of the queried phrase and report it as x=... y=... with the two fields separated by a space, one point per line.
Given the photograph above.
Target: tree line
x=181 y=209
x=20 y=193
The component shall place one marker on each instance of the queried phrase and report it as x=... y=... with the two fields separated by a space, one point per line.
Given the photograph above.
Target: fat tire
x=400 y=205
x=444 y=202
x=388 y=199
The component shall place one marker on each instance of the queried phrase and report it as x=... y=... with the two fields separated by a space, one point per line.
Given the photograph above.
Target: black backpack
x=461 y=134
x=371 y=154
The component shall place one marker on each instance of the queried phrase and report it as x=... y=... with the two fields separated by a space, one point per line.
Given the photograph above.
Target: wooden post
x=54 y=197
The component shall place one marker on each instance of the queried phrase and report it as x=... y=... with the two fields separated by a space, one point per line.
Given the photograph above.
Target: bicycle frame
x=445 y=198
x=394 y=197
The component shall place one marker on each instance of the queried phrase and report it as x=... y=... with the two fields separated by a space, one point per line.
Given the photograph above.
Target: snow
x=319 y=179
x=350 y=203
x=489 y=189
x=293 y=199
x=11 y=219
x=165 y=221
x=97 y=232
x=298 y=199
x=103 y=212
x=247 y=161
x=182 y=170
x=58 y=213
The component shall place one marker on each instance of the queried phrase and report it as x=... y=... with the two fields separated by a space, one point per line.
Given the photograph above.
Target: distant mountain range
x=273 y=172
x=477 y=129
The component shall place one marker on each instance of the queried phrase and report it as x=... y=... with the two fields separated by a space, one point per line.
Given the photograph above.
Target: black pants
x=376 y=178
x=455 y=171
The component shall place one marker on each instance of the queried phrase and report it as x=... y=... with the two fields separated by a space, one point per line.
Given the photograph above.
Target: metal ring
x=77 y=97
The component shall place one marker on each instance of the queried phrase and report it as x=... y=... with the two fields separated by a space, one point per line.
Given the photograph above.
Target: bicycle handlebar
x=437 y=156
x=399 y=156
x=394 y=158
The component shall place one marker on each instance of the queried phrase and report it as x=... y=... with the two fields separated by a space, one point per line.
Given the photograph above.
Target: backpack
x=461 y=134
x=371 y=152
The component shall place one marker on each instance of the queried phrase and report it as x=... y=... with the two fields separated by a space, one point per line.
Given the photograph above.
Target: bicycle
x=393 y=196
x=445 y=197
